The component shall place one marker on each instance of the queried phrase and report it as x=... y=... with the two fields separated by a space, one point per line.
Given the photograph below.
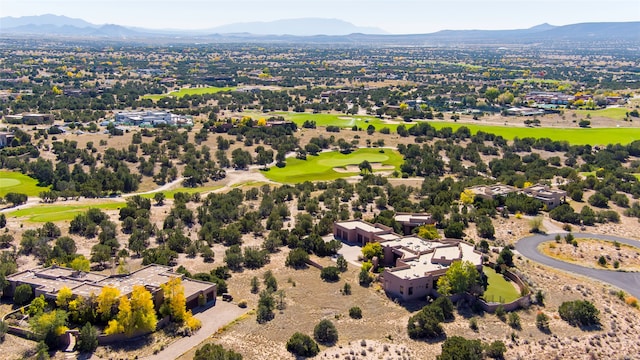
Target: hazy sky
x=394 y=16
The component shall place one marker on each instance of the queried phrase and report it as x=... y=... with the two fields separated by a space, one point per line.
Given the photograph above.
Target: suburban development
x=456 y=195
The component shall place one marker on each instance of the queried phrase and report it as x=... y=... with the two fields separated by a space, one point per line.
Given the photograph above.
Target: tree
x=49 y=326
x=16 y=198
x=325 y=332
x=107 y=299
x=88 y=338
x=270 y=281
x=364 y=278
x=159 y=198
x=467 y=197
x=365 y=167
x=426 y=324
x=215 y=352
x=64 y=296
x=80 y=263
x=100 y=253
x=175 y=303
x=505 y=257
x=22 y=295
x=330 y=273
x=491 y=94
x=144 y=313
x=341 y=263
x=266 y=304
x=302 y=345
x=458 y=348
x=371 y=250
x=514 y=320
x=542 y=321
x=36 y=307
x=462 y=276
x=598 y=200
x=428 y=232
x=455 y=230
x=297 y=258
x=484 y=227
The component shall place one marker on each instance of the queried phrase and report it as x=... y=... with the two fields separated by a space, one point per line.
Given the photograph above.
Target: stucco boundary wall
x=521 y=302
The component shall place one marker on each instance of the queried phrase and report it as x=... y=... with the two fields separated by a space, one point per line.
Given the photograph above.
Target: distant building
x=30 y=119
x=5 y=139
x=49 y=281
x=548 y=196
x=414 y=264
x=152 y=118
x=410 y=221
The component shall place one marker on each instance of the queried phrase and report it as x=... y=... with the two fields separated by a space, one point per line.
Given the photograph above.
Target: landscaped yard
x=611 y=113
x=11 y=181
x=499 y=289
x=190 y=91
x=55 y=213
x=321 y=167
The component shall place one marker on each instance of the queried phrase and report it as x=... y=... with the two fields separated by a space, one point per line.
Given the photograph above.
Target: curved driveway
x=628 y=281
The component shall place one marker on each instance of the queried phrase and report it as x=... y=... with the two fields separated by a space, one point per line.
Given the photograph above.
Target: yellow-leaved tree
x=467 y=196
x=144 y=313
x=106 y=301
x=175 y=304
x=134 y=315
x=64 y=296
x=80 y=263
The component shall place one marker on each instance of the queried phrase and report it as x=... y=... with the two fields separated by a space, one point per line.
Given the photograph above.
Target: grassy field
x=321 y=167
x=65 y=212
x=499 y=289
x=190 y=91
x=575 y=136
x=169 y=194
x=11 y=181
x=611 y=113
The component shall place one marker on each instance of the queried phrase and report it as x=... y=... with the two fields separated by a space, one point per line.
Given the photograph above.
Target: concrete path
x=212 y=320
x=627 y=281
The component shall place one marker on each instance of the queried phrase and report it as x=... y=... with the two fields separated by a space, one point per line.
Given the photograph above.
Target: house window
x=401 y=289
x=411 y=290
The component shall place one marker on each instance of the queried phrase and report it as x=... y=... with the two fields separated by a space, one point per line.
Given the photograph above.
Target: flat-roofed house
x=49 y=281
x=358 y=231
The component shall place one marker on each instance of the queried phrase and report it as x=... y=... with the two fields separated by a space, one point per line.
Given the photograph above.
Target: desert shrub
x=542 y=321
x=495 y=350
x=457 y=347
x=242 y=303
x=579 y=313
x=215 y=352
x=501 y=313
x=355 y=313
x=473 y=324
x=514 y=320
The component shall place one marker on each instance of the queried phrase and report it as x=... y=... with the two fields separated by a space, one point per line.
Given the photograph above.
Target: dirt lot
x=588 y=252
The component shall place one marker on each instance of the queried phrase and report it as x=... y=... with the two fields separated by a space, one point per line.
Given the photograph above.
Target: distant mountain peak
x=543 y=27
x=300 y=27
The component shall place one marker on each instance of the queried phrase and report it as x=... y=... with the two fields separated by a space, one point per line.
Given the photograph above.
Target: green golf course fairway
x=12 y=181
x=574 y=135
x=321 y=167
x=53 y=213
x=498 y=289
x=189 y=91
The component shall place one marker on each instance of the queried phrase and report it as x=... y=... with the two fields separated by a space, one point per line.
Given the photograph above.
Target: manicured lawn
x=190 y=91
x=611 y=113
x=170 y=193
x=55 y=213
x=12 y=181
x=321 y=167
x=499 y=289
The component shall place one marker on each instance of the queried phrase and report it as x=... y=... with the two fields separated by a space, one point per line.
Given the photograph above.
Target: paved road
x=212 y=319
x=627 y=281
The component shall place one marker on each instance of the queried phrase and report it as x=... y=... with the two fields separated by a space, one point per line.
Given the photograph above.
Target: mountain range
x=314 y=31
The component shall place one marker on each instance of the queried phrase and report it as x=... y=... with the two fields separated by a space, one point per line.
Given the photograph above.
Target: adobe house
x=359 y=231
x=49 y=281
